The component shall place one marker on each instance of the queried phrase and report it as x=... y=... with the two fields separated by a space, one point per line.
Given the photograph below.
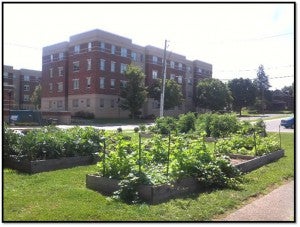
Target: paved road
x=273 y=126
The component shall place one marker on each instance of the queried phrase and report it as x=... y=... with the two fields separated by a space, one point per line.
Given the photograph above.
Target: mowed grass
x=62 y=196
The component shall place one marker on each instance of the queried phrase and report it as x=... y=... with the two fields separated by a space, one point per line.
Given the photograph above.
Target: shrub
x=136 y=129
x=11 y=142
x=186 y=122
x=164 y=125
x=119 y=129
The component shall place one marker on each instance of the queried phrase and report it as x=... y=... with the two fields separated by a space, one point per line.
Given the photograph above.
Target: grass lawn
x=62 y=196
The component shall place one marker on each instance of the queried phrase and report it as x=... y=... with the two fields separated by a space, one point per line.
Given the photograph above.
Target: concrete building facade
x=87 y=72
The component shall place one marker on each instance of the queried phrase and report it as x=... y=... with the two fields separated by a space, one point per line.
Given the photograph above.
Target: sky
x=234 y=38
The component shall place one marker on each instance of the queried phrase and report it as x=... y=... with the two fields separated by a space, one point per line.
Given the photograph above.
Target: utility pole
x=162 y=95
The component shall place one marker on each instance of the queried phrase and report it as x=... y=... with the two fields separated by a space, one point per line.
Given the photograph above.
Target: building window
x=60 y=86
x=76 y=66
x=113 y=49
x=50 y=87
x=51 y=72
x=26 y=78
x=123 y=52
x=60 y=71
x=75 y=102
x=123 y=83
x=88 y=82
x=102 y=47
x=180 y=66
x=154 y=59
x=112 y=66
x=142 y=57
x=155 y=104
x=5 y=75
x=172 y=76
x=26 y=87
x=51 y=57
x=89 y=64
x=189 y=80
x=88 y=102
x=102 y=64
x=112 y=83
x=61 y=56
x=77 y=49
x=133 y=56
x=112 y=103
x=199 y=71
x=180 y=79
x=154 y=74
x=123 y=68
x=59 y=104
x=101 y=103
x=50 y=104
x=188 y=69
x=26 y=98
x=89 y=47
x=172 y=64
x=102 y=82
x=76 y=84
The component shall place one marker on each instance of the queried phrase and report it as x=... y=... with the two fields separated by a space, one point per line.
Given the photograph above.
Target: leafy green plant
x=186 y=122
x=164 y=125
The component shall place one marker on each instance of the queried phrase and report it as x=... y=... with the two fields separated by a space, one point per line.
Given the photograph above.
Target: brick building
x=86 y=73
x=18 y=86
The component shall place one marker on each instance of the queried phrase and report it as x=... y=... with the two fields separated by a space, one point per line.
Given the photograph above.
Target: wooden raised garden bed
x=161 y=193
x=50 y=164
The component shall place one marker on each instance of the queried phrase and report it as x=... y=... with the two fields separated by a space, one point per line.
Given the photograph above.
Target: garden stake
x=168 y=154
x=279 y=137
x=255 y=142
x=104 y=148
x=140 y=144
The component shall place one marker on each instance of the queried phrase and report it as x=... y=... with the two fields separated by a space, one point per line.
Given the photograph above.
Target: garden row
x=163 y=163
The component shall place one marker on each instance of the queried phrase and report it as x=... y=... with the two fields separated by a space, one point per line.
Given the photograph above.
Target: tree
x=262 y=84
x=213 y=94
x=173 y=93
x=243 y=93
x=36 y=97
x=133 y=94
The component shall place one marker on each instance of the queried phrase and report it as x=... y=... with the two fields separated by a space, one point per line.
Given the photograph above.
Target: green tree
x=243 y=93
x=173 y=93
x=133 y=94
x=262 y=85
x=213 y=94
x=36 y=97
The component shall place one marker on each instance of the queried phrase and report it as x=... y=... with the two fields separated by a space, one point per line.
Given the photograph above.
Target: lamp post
x=9 y=98
x=162 y=95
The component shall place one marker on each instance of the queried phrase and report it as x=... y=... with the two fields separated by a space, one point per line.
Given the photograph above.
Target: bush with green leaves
x=254 y=145
x=11 y=142
x=51 y=142
x=186 y=122
x=164 y=125
x=218 y=125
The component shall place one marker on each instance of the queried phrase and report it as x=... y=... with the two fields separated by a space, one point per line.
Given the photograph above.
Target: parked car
x=288 y=122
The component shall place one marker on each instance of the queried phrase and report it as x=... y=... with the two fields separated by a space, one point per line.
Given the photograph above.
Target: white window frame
x=26 y=78
x=154 y=59
x=102 y=83
x=89 y=64
x=76 y=66
x=51 y=57
x=51 y=72
x=113 y=66
x=75 y=103
x=134 y=56
x=60 y=86
x=102 y=64
x=112 y=83
x=154 y=74
x=60 y=71
x=172 y=64
x=59 y=104
x=172 y=76
x=102 y=46
x=123 y=52
x=26 y=87
x=26 y=98
x=88 y=82
x=76 y=49
x=180 y=79
x=180 y=66
x=89 y=46
x=113 y=49
x=61 y=56
x=123 y=68
x=101 y=102
x=50 y=87
x=75 y=84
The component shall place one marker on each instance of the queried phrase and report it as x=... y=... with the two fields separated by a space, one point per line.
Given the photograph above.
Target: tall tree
x=133 y=94
x=243 y=93
x=36 y=97
x=173 y=93
x=262 y=84
x=213 y=94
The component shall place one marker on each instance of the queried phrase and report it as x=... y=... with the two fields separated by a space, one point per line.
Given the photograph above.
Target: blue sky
x=234 y=38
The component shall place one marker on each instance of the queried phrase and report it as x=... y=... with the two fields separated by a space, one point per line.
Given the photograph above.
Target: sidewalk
x=278 y=205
